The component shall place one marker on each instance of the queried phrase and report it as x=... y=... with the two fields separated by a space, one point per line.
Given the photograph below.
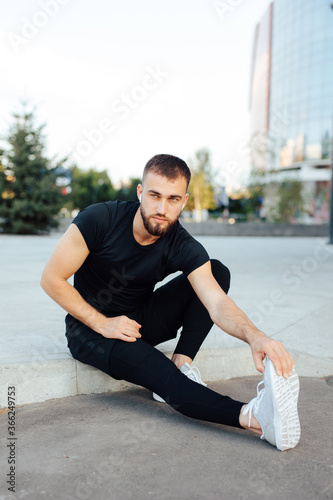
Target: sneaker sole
x=286 y=421
x=158 y=398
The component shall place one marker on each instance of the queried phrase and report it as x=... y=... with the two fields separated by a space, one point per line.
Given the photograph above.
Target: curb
x=37 y=380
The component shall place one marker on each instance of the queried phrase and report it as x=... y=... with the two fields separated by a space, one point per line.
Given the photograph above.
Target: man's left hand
x=265 y=346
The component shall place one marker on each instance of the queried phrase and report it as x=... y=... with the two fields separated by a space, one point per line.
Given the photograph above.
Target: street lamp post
x=330 y=236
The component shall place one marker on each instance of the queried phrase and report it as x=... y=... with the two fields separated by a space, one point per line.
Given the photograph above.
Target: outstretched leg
x=142 y=364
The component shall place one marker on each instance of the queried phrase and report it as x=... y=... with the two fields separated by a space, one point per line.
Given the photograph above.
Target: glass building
x=260 y=74
x=299 y=100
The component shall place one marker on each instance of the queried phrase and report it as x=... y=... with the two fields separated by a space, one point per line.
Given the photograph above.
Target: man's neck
x=140 y=233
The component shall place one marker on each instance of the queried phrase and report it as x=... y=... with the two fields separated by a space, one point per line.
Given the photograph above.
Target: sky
x=117 y=82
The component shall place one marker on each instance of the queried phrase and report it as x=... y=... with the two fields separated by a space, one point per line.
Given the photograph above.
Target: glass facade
x=301 y=82
x=260 y=78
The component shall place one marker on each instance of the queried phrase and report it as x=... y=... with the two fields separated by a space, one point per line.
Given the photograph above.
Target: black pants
x=170 y=307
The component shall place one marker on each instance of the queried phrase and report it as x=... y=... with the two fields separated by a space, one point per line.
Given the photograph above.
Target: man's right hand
x=68 y=256
x=121 y=327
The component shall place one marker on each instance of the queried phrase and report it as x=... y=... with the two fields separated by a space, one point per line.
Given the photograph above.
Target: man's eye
x=173 y=200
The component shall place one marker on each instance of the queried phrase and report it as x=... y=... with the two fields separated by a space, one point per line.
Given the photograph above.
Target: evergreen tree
x=29 y=197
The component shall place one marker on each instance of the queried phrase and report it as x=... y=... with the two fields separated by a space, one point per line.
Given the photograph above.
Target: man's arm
x=66 y=259
x=227 y=315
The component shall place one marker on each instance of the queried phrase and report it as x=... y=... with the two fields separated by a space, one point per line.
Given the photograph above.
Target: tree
x=88 y=187
x=30 y=198
x=255 y=193
x=127 y=191
x=290 y=205
x=201 y=189
x=283 y=200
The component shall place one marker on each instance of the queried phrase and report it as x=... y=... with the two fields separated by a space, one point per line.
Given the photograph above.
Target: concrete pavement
x=124 y=445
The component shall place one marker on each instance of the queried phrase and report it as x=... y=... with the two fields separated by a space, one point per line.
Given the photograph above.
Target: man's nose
x=161 y=207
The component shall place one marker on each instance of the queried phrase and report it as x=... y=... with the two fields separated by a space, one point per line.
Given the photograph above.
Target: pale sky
x=118 y=82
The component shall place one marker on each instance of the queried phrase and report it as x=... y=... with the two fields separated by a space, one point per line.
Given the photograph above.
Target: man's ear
x=186 y=198
x=139 y=190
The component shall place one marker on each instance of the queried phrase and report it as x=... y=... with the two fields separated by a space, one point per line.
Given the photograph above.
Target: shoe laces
x=193 y=373
x=253 y=405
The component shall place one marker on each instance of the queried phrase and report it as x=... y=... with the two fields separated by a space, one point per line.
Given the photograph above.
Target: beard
x=153 y=227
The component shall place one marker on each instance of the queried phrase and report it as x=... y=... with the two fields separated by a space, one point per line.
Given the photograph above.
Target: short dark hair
x=169 y=166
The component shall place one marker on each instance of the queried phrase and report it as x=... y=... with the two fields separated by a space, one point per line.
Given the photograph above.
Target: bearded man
x=118 y=252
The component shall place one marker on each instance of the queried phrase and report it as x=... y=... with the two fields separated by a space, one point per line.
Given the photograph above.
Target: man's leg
x=176 y=305
x=142 y=364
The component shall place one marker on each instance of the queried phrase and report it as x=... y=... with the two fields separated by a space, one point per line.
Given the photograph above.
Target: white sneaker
x=275 y=408
x=192 y=372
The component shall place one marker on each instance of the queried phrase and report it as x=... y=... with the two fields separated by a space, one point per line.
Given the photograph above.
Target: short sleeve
x=189 y=255
x=92 y=223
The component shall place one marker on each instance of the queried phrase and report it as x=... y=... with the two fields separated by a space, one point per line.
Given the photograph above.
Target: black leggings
x=170 y=307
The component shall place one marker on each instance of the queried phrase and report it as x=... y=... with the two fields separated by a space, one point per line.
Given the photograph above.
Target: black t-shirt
x=119 y=273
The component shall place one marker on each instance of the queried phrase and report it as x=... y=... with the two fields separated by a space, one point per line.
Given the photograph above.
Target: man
x=117 y=252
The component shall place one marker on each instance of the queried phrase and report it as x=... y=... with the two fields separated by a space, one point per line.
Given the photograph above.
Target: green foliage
x=283 y=200
x=290 y=205
x=30 y=199
x=127 y=191
x=88 y=187
x=255 y=194
x=201 y=189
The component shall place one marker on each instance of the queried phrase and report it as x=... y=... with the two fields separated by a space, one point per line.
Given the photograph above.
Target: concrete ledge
x=93 y=381
x=40 y=380
x=213 y=228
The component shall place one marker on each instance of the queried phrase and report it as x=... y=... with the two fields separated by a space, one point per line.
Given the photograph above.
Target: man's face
x=161 y=203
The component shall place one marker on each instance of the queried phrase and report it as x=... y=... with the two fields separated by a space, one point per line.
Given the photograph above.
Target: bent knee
x=221 y=273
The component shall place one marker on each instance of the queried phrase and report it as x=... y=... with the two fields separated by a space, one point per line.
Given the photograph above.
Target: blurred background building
x=291 y=98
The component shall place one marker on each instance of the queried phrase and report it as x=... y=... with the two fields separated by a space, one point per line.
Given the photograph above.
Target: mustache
x=160 y=216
